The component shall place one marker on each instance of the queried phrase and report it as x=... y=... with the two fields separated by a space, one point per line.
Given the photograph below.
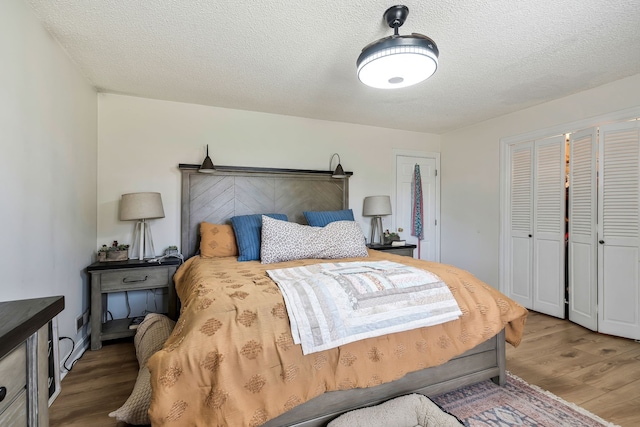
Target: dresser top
x=19 y=319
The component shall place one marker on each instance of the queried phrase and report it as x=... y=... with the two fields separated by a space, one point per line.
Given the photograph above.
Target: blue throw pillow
x=248 y=229
x=322 y=218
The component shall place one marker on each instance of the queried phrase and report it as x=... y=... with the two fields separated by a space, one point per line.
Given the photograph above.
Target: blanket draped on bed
x=332 y=304
x=231 y=359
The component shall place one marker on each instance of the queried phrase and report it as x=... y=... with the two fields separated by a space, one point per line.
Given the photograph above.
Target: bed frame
x=233 y=191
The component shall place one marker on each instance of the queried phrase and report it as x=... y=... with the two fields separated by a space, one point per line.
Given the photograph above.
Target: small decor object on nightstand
x=389 y=237
x=115 y=252
x=135 y=322
x=171 y=250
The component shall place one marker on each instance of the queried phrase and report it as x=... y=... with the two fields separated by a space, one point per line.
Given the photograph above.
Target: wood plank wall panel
x=296 y=196
x=254 y=195
x=217 y=197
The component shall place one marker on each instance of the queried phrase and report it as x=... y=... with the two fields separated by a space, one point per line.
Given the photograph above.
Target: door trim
x=427 y=155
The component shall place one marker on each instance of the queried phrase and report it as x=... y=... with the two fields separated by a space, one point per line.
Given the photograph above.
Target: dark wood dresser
x=24 y=347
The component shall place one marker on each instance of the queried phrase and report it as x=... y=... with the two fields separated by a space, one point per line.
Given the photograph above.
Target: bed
x=209 y=373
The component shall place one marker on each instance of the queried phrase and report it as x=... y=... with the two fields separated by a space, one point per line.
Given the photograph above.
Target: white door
x=619 y=239
x=405 y=164
x=583 y=245
x=549 y=226
x=519 y=287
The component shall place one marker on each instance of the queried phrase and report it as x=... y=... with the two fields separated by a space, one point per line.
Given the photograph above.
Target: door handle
x=530 y=235
x=601 y=242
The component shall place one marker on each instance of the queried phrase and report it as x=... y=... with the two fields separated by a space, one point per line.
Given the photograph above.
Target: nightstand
x=121 y=276
x=406 y=250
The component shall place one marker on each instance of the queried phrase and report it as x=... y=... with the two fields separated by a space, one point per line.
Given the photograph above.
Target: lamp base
x=142 y=247
x=376 y=225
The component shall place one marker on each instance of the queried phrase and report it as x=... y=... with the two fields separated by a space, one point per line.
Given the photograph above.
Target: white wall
x=48 y=134
x=470 y=161
x=142 y=141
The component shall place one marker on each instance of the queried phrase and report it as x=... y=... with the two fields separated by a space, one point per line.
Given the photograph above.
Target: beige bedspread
x=231 y=360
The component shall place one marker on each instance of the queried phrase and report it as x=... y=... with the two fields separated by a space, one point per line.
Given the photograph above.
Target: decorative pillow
x=247 y=229
x=150 y=337
x=322 y=218
x=285 y=241
x=217 y=240
x=411 y=410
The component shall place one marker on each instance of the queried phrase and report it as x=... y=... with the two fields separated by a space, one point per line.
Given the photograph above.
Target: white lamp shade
x=377 y=206
x=134 y=206
x=397 y=67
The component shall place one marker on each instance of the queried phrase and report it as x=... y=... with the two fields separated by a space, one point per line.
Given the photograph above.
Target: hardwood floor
x=98 y=383
x=599 y=372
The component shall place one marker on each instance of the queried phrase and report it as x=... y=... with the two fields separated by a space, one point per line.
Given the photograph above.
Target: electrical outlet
x=82 y=320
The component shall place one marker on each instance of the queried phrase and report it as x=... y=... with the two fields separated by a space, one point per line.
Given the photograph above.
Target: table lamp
x=141 y=207
x=376 y=207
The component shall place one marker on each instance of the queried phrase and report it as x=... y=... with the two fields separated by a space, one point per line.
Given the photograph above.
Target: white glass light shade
x=134 y=206
x=376 y=206
x=397 y=67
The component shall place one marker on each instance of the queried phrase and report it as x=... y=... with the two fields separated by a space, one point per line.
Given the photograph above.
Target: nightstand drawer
x=145 y=278
x=13 y=375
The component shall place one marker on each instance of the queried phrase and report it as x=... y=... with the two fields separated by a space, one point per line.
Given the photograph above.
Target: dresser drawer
x=13 y=376
x=16 y=414
x=139 y=278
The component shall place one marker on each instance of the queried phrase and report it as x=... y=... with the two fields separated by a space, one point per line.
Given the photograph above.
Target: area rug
x=517 y=403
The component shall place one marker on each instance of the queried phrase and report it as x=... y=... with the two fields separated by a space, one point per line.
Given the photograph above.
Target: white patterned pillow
x=286 y=241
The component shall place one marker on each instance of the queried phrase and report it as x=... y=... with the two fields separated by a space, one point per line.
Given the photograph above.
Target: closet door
x=618 y=229
x=520 y=287
x=583 y=245
x=549 y=226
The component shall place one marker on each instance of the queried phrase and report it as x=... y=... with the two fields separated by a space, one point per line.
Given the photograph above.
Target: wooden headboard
x=231 y=191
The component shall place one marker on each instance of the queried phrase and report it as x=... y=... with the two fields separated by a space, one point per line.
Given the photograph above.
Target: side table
x=406 y=250
x=121 y=276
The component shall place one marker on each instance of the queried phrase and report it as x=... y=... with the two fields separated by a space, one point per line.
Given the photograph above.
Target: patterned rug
x=515 y=404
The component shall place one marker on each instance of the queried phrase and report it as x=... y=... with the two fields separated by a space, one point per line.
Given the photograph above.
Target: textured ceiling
x=298 y=57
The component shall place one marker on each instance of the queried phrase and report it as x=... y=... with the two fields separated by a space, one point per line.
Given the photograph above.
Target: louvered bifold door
x=583 y=239
x=618 y=230
x=549 y=226
x=519 y=275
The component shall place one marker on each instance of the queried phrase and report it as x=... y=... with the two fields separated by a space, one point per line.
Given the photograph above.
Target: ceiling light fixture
x=397 y=61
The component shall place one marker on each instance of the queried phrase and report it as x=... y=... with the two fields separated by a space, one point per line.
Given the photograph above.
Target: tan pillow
x=217 y=240
x=150 y=337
